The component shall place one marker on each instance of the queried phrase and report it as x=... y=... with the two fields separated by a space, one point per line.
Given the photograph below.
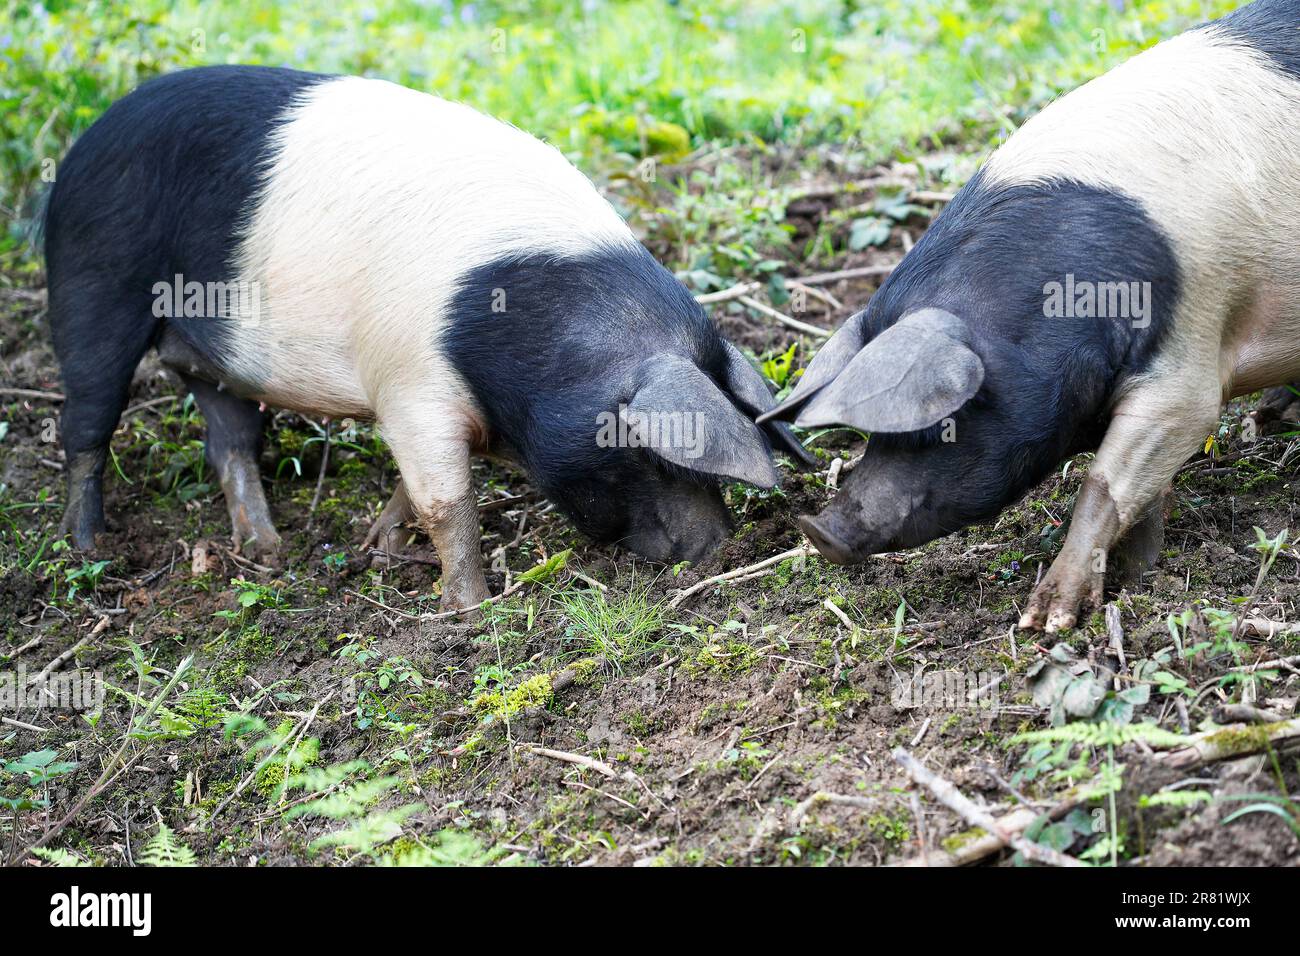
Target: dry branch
x=802 y=551
x=952 y=798
x=782 y=318
x=1224 y=743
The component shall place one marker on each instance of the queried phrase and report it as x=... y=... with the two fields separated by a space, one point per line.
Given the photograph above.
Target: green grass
x=621 y=628
x=607 y=81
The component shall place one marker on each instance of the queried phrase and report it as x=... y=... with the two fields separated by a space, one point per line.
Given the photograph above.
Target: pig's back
x=1203 y=131
x=377 y=199
x=157 y=185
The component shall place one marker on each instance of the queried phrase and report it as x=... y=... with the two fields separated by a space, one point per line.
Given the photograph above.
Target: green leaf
x=871 y=231
x=1265 y=808
x=548 y=569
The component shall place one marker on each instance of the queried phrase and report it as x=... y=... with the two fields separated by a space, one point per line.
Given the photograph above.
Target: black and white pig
x=1121 y=266
x=348 y=247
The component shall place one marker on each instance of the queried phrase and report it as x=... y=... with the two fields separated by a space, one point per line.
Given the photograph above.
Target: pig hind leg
x=388 y=534
x=234 y=441
x=1153 y=431
x=1138 y=550
x=98 y=348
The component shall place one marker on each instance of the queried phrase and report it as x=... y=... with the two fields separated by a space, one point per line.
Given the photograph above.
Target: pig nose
x=827 y=542
x=695 y=547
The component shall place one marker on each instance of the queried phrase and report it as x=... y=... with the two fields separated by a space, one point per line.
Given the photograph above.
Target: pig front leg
x=433 y=453
x=1153 y=431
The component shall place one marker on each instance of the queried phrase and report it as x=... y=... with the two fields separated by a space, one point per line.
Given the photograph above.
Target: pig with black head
x=1121 y=266
x=350 y=248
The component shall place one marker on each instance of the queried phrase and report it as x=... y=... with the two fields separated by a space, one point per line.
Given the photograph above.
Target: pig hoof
x=263 y=548
x=1056 y=602
x=1060 y=620
x=82 y=528
x=464 y=595
x=827 y=543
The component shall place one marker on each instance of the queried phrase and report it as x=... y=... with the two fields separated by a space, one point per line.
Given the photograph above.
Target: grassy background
x=606 y=81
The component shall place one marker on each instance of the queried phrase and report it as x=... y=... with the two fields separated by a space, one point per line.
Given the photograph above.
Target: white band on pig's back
x=378 y=200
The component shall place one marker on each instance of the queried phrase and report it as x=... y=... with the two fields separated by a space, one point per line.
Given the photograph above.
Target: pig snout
x=876 y=511
x=677 y=530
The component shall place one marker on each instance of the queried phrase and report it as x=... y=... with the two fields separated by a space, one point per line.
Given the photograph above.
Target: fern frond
x=346 y=804
x=1102 y=735
x=166 y=849
x=1181 y=799
x=373 y=830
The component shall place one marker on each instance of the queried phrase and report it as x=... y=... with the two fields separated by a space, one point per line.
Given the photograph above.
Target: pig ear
x=910 y=376
x=746 y=384
x=829 y=361
x=717 y=439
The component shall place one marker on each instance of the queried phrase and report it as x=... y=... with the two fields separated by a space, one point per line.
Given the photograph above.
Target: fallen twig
x=861 y=272
x=33 y=393
x=825 y=796
x=1276 y=663
x=952 y=798
x=1245 y=714
x=320 y=477
x=802 y=551
x=63 y=658
x=1223 y=743
x=781 y=317
x=1262 y=627
x=380 y=604
x=728 y=294
x=591 y=763
x=25 y=726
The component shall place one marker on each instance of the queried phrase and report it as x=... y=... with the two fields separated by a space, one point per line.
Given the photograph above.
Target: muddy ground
x=700 y=730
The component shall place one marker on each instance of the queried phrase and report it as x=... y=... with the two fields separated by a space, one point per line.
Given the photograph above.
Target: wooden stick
x=816 y=293
x=1224 y=743
x=958 y=803
x=825 y=796
x=851 y=186
x=1245 y=714
x=320 y=477
x=862 y=272
x=802 y=551
x=59 y=661
x=1274 y=664
x=153 y=402
x=726 y=295
x=380 y=604
x=591 y=763
x=33 y=393
x=25 y=726
x=782 y=317
x=1262 y=627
